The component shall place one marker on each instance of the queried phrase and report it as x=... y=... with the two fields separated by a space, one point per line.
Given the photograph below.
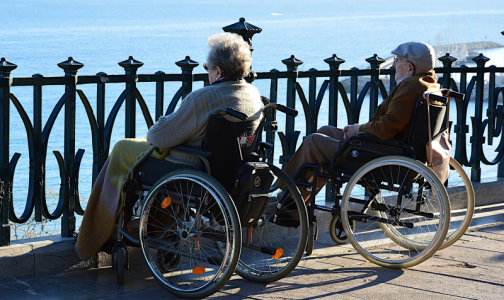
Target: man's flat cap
x=420 y=54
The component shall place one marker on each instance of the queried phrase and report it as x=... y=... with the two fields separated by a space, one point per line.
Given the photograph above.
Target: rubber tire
x=444 y=215
x=452 y=237
x=453 y=233
x=217 y=283
x=275 y=274
x=120 y=266
x=336 y=220
x=312 y=231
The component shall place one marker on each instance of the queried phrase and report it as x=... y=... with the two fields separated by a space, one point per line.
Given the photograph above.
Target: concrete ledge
x=48 y=255
x=37 y=257
x=488 y=192
x=54 y=254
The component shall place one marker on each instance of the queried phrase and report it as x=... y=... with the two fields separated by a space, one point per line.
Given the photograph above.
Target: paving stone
x=472 y=268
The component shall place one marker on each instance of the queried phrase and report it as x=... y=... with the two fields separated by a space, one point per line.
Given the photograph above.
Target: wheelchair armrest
x=367 y=137
x=191 y=150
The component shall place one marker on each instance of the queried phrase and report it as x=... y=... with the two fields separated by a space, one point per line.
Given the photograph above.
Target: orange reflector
x=198 y=270
x=278 y=253
x=166 y=202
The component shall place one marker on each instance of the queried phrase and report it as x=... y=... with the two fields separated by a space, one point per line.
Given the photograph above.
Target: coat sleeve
x=398 y=114
x=176 y=128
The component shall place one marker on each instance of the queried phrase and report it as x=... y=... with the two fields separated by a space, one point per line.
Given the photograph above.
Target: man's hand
x=350 y=130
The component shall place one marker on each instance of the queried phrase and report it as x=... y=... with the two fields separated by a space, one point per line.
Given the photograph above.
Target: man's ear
x=411 y=69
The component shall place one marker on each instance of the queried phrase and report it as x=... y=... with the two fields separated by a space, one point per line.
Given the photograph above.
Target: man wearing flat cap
x=414 y=64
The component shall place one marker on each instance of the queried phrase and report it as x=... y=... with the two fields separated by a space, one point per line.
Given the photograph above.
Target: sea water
x=36 y=35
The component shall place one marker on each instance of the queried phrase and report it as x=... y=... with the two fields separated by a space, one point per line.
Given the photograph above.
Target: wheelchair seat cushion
x=353 y=154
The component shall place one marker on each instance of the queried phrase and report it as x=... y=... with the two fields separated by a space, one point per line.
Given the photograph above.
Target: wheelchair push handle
x=219 y=111
x=434 y=97
x=282 y=108
x=456 y=95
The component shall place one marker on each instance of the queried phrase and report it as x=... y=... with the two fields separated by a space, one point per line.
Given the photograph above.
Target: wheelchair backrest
x=231 y=144
x=419 y=132
x=234 y=162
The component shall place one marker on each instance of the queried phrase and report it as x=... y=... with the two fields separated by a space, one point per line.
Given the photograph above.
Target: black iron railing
x=472 y=81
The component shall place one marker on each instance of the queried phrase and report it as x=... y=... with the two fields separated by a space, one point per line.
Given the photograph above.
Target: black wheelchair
x=198 y=225
x=394 y=210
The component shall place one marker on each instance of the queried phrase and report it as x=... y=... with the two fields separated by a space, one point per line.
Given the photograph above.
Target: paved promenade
x=473 y=268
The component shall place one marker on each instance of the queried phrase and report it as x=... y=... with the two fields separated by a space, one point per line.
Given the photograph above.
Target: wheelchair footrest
x=217 y=261
x=365 y=218
x=265 y=250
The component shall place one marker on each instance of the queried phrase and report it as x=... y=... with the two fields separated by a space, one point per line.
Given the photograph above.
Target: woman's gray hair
x=231 y=53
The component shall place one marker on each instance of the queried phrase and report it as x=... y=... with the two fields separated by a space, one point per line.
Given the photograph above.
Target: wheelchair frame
x=196 y=235
x=343 y=223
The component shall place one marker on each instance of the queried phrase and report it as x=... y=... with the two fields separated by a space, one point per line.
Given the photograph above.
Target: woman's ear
x=218 y=73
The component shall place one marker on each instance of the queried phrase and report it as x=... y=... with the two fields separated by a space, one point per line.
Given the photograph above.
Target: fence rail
x=472 y=81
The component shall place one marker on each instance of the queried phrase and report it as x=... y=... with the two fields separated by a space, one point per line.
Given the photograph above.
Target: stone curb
x=46 y=256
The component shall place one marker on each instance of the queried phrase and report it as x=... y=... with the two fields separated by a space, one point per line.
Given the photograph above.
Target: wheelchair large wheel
x=273 y=249
x=184 y=215
x=461 y=194
x=404 y=197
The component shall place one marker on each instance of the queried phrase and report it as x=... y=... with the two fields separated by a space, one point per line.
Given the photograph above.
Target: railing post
x=460 y=128
x=5 y=180
x=291 y=136
x=100 y=157
x=334 y=64
x=375 y=63
x=131 y=66
x=492 y=111
x=159 y=96
x=354 y=105
x=447 y=61
x=477 y=139
x=312 y=102
x=37 y=166
x=70 y=67
x=187 y=65
x=271 y=125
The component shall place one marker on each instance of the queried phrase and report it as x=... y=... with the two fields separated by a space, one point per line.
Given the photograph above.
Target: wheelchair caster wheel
x=120 y=266
x=336 y=230
x=167 y=262
x=312 y=237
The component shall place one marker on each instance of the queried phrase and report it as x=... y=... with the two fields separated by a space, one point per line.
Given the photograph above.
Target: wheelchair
x=394 y=210
x=198 y=225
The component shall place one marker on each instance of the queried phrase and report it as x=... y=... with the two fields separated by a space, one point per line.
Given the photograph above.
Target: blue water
x=36 y=35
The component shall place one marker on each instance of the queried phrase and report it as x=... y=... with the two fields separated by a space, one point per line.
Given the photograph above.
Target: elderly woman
x=228 y=61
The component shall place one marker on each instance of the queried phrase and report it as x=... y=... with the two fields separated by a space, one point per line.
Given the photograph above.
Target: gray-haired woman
x=228 y=61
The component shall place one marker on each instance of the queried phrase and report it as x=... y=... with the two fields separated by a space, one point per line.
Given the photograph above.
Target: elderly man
x=414 y=63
